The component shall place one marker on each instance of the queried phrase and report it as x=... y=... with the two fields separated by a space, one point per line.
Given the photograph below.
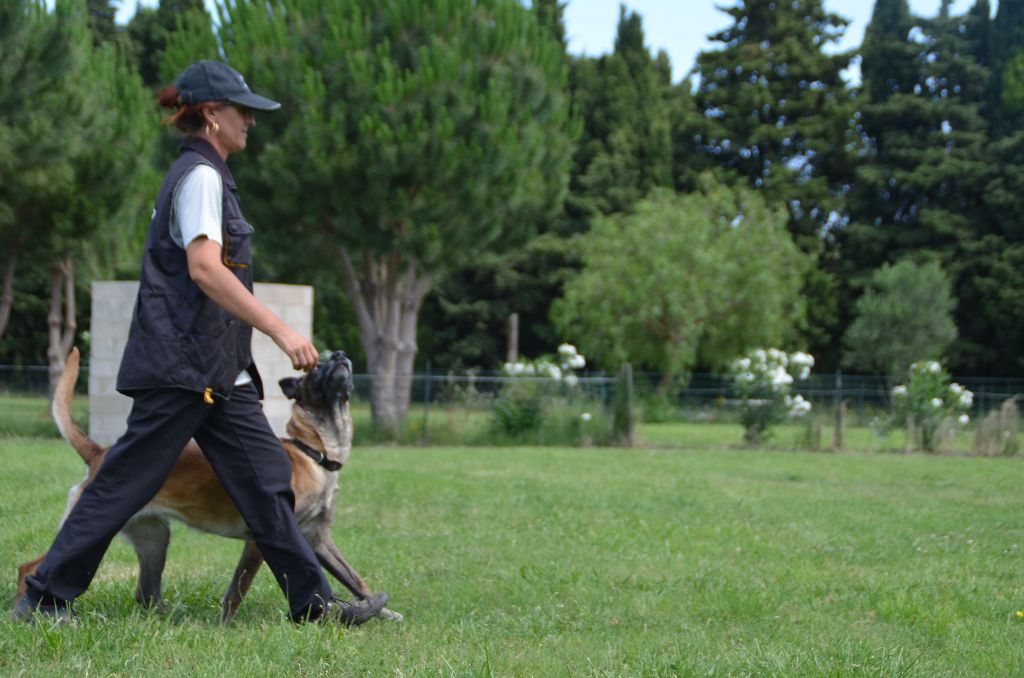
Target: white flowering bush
x=527 y=400
x=928 y=401
x=763 y=380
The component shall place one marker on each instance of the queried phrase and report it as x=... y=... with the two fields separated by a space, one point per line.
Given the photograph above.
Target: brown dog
x=320 y=442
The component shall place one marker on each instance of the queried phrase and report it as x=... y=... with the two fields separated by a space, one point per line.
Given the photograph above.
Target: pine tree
x=413 y=137
x=551 y=14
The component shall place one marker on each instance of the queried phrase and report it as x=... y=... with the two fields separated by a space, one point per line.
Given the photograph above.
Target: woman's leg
x=255 y=470
x=160 y=424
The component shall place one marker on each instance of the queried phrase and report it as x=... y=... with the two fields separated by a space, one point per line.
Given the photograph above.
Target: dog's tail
x=60 y=408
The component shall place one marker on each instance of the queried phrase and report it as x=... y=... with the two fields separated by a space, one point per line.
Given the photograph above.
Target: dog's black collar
x=316 y=455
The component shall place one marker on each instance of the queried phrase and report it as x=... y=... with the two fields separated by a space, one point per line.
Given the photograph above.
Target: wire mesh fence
x=698 y=392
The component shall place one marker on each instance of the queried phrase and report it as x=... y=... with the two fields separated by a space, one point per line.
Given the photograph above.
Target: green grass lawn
x=552 y=561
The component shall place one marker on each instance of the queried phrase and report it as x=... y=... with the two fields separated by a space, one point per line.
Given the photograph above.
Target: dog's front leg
x=245 y=572
x=332 y=560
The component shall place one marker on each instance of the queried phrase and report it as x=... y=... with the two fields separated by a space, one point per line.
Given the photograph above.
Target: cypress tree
x=921 y=191
x=888 y=58
x=625 y=101
x=1006 y=57
x=780 y=118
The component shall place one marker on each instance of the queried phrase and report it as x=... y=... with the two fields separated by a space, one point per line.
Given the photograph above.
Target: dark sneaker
x=354 y=613
x=57 y=614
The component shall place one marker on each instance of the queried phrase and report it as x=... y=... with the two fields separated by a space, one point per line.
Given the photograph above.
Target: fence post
x=622 y=422
x=837 y=433
x=426 y=407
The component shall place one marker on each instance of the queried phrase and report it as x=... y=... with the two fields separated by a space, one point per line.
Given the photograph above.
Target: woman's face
x=234 y=122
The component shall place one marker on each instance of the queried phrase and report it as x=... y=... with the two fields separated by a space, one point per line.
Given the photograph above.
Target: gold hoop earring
x=212 y=129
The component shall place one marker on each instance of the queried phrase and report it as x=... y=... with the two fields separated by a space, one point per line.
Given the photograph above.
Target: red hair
x=187 y=117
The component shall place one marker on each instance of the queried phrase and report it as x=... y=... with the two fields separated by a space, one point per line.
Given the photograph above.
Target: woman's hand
x=300 y=350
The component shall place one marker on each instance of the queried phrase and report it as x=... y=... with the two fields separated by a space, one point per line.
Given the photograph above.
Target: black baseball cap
x=216 y=81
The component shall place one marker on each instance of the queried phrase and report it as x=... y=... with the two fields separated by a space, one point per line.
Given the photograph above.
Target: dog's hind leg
x=248 y=566
x=149 y=536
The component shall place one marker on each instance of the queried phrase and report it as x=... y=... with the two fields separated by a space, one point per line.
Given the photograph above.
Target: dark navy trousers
x=246 y=456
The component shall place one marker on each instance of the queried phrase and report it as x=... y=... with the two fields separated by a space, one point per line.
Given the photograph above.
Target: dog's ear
x=290 y=387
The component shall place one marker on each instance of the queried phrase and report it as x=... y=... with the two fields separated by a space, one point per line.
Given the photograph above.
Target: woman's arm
x=220 y=284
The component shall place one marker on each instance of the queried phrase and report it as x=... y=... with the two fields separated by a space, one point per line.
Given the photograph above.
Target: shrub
x=542 y=402
x=929 y=404
x=997 y=432
x=763 y=380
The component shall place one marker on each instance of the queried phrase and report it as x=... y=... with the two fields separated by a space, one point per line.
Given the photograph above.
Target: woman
x=188 y=367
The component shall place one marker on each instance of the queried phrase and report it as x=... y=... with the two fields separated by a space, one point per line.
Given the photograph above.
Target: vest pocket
x=237 y=249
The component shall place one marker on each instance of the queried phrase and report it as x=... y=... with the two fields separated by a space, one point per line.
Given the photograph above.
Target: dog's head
x=320 y=411
x=328 y=383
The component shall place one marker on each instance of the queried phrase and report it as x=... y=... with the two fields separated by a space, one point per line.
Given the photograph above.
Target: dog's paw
x=385 y=613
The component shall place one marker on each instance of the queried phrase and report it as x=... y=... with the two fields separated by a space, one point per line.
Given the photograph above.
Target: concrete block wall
x=112 y=304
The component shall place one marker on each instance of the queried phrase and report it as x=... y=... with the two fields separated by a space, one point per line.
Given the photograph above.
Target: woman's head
x=212 y=100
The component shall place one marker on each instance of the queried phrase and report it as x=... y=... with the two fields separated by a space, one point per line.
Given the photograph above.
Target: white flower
x=780 y=377
x=936 y=402
x=577 y=362
x=934 y=367
x=801 y=358
x=745 y=377
x=956 y=388
x=567 y=350
x=742 y=364
x=966 y=398
x=585 y=416
x=964 y=420
x=798 y=407
x=899 y=391
x=552 y=371
x=572 y=380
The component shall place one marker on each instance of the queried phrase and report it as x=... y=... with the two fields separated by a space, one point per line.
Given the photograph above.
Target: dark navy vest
x=179 y=338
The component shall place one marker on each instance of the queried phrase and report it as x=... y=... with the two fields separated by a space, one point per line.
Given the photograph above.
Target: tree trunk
x=387 y=295
x=62 y=326
x=7 y=293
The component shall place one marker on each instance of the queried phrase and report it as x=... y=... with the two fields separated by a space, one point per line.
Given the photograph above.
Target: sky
x=680 y=27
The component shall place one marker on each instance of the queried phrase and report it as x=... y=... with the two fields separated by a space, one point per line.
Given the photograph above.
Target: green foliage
x=763 y=381
x=927 y=401
x=906 y=313
x=465 y=321
x=673 y=286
